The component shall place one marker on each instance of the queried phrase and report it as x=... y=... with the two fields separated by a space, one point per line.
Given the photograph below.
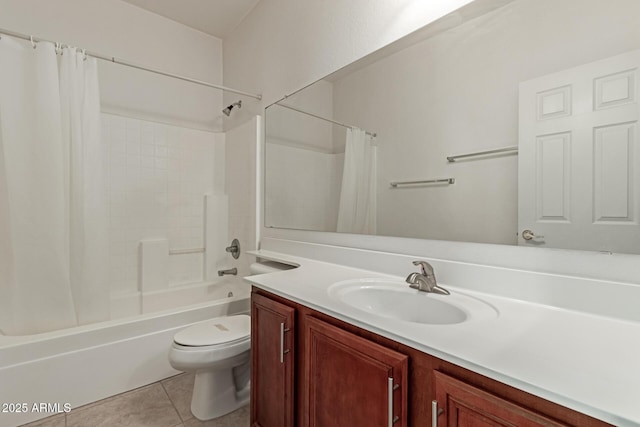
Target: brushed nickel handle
x=434 y=413
x=390 y=389
x=281 y=342
x=390 y=402
x=282 y=349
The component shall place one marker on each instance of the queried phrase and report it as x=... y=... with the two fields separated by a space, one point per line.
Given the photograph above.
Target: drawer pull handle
x=434 y=413
x=391 y=389
x=282 y=352
x=390 y=403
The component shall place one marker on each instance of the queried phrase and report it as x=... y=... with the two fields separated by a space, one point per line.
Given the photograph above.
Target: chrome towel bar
x=513 y=149
x=395 y=184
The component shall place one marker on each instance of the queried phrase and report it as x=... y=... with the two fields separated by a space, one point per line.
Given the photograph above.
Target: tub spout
x=231 y=271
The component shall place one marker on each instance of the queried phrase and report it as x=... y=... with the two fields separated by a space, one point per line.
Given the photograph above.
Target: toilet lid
x=219 y=330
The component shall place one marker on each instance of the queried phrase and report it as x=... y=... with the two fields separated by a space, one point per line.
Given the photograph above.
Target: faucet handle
x=425 y=268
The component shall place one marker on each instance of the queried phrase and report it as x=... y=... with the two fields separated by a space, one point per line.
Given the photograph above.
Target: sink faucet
x=425 y=281
x=233 y=271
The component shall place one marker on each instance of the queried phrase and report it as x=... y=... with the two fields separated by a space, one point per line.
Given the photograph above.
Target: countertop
x=583 y=361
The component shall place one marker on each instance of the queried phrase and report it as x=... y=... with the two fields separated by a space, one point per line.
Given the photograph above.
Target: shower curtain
x=357 y=208
x=53 y=225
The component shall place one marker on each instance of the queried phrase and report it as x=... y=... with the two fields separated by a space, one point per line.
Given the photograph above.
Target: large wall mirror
x=508 y=122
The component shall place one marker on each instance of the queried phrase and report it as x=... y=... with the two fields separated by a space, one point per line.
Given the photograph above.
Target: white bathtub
x=80 y=365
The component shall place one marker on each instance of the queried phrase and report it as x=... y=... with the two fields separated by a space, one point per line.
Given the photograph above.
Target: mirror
x=538 y=98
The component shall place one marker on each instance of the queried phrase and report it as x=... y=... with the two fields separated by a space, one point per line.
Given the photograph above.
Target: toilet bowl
x=218 y=351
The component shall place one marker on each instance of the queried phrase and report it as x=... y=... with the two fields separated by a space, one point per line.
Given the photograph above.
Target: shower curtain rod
x=115 y=60
x=324 y=118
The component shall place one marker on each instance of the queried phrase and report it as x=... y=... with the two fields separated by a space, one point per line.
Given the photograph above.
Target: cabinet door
x=351 y=381
x=460 y=404
x=272 y=353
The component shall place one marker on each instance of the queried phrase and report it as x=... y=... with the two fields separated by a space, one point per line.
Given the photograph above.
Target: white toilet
x=218 y=350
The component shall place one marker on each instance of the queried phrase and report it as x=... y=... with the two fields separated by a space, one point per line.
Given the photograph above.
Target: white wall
x=284 y=45
x=116 y=28
x=302 y=130
x=306 y=190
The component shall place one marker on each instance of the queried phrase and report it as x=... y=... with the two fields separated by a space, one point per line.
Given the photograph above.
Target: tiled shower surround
x=158 y=175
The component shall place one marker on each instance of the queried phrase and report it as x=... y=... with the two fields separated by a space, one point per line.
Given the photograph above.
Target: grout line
x=172 y=403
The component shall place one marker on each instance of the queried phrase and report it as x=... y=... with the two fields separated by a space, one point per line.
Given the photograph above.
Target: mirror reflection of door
x=578 y=169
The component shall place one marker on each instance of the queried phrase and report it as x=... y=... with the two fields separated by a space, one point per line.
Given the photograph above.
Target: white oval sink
x=397 y=300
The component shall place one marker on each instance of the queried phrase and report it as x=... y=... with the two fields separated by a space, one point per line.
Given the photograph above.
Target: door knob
x=529 y=235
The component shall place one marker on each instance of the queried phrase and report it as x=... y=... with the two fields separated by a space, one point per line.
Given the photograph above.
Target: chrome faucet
x=233 y=271
x=425 y=281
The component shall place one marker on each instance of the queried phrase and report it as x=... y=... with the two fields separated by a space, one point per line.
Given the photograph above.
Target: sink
x=396 y=300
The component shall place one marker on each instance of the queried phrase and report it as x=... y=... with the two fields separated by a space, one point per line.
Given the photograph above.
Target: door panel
x=348 y=379
x=578 y=180
x=273 y=357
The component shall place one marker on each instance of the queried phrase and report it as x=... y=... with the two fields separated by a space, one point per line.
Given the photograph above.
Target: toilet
x=218 y=351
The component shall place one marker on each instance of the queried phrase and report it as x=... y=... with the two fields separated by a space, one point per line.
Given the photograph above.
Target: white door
x=579 y=176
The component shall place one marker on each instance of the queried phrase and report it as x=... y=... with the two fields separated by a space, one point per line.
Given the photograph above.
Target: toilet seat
x=218 y=352
x=225 y=331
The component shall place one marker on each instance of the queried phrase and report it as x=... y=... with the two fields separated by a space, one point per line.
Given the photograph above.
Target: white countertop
x=585 y=362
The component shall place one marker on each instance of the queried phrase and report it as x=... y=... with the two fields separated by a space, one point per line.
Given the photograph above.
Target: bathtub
x=72 y=367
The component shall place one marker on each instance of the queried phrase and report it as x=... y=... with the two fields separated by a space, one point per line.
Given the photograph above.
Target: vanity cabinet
x=336 y=374
x=351 y=381
x=272 y=363
x=461 y=404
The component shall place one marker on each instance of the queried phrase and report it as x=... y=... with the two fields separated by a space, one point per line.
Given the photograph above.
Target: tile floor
x=162 y=404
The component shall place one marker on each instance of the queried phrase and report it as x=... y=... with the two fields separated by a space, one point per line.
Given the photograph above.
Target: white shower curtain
x=357 y=208
x=51 y=187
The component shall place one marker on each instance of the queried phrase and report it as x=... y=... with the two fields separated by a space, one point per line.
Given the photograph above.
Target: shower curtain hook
x=84 y=54
x=33 y=44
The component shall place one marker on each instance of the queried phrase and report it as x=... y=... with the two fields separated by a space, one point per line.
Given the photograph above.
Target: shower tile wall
x=157 y=177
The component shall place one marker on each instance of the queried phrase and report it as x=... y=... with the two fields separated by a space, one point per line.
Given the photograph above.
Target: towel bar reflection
x=395 y=184
x=513 y=150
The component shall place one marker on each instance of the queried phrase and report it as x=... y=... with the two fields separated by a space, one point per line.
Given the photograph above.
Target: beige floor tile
x=54 y=421
x=239 y=418
x=180 y=389
x=147 y=406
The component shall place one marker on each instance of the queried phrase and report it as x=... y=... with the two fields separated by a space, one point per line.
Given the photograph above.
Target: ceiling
x=215 y=17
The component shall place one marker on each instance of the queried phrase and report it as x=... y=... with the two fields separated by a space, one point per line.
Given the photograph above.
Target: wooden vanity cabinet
x=351 y=381
x=460 y=404
x=272 y=363
x=337 y=374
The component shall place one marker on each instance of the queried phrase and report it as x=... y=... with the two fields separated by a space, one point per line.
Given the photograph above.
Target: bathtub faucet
x=233 y=271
